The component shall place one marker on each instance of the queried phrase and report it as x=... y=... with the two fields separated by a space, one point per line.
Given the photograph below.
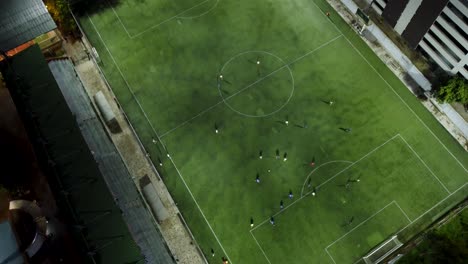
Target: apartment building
x=437 y=28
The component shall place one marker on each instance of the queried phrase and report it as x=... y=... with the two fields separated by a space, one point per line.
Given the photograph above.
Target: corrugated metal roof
x=22 y=21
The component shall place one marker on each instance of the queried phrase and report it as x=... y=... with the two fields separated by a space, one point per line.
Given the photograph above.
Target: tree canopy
x=455 y=90
x=59 y=11
x=449 y=244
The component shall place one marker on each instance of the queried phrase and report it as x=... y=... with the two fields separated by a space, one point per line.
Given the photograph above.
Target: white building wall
x=378 y=5
x=436 y=31
x=407 y=15
x=443 y=49
x=460 y=6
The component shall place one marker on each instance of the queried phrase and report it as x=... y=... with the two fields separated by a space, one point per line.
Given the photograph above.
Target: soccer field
x=392 y=172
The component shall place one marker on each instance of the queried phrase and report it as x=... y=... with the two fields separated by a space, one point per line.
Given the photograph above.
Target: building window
x=454 y=25
x=444 y=46
x=375 y=3
x=449 y=36
x=436 y=51
x=464 y=2
x=458 y=13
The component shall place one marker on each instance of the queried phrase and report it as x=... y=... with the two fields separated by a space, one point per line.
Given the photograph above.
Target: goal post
x=379 y=253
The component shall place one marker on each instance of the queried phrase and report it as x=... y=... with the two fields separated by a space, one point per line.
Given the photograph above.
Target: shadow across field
x=82 y=7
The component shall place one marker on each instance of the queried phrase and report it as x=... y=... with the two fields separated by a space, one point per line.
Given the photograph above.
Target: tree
x=437 y=249
x=447 y=244
x=59 y=11
x=455 y=90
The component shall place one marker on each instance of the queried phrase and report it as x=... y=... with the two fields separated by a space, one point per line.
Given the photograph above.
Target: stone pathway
x=178 y=238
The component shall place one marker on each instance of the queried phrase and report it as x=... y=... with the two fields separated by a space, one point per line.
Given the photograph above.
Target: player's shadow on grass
x=348 y=222
x=224 y=91
x=280 y=122
x=254 y=61
x=345 y=129
x=219 y=125
x=303 y=125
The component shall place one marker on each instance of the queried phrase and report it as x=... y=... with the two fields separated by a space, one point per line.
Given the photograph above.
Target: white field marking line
x=409 y=220
x=354 y=163
x=360 y=224
x=430 y=209
x=326 y=250
x=261 y=249
x=188 y=120
x=167 y=20
x=381 y=77
x=118 y=17
x=424 y=163
x=323 y=150
x=277 y=213
x=326 y=163
x=250 y=85
x=416 y=219
x=302 y=197
x=159 y=139
x=202 y=14
x=227 y=98
x=257 y=81
x=125 y=80
x=198 y=206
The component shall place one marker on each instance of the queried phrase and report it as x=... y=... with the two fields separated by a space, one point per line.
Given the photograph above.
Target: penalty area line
x=394 y=91
x=360 y=224
x=363 y=157
x=260 y=247
x=363 y=222
x=425 y=165
x=325 y=182
x=409 y=220
x=430 y=209
x=326 y=163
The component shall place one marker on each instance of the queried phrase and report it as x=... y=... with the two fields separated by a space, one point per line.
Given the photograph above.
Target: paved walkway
x=401 y=66
x=176 y=235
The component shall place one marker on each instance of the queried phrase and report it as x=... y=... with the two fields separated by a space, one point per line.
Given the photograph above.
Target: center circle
x=256 y=83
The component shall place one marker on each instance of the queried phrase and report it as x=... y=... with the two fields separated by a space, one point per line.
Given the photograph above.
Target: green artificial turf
x=163 y=60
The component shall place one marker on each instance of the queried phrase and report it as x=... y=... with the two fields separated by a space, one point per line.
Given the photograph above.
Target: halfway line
x=250 y=85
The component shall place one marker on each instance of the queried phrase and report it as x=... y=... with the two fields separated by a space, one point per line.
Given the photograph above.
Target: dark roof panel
x=422 y=20
x=393 y=11
x=22 y=21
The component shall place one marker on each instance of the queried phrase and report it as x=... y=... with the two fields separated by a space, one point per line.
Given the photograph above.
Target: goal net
x=383 y=250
